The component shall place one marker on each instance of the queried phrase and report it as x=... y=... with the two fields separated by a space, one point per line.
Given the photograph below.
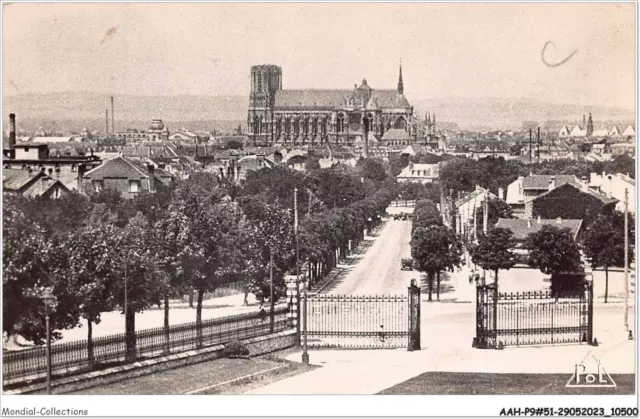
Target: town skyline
x=139 y=49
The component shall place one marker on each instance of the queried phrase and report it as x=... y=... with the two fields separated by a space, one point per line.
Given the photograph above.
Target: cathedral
x=315 y=117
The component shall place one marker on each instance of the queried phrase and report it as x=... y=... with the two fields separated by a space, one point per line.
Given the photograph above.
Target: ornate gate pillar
x=414 y=316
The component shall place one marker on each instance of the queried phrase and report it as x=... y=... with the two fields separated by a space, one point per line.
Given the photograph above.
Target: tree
x=30 y=262
x=604 y=246
x=493 y=251
x=372 y=169
x=142 y=281
x=90 y=275
x=553 y=251
x=434 y=249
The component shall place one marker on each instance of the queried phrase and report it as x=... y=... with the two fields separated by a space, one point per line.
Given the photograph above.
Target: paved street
x=377 y=272
x=447 y=330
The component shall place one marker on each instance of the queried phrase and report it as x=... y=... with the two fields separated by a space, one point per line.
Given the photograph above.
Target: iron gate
x=361 y=321
x=532 y=318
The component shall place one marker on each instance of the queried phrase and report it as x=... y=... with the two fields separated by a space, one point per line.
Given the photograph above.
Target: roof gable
x=119 y=167
x=538 y=182
x=522 y=228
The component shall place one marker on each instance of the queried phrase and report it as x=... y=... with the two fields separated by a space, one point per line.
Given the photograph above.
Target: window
x=134 y=186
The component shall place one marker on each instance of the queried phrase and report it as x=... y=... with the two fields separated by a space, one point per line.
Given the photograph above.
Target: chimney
x=260 y=158
x=558 y=220
x=539 y=220
x=552 y=183
x=113 y=123
x=609 y=186
x=12 y=131
x=151 y=171
x=106 y=121
x=585 y=183
x=528 y=222
x=81 y=170
x=501 y=194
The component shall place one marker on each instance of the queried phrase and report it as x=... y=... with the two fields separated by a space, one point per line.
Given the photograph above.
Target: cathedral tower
x=265 y=81
x=400 y=83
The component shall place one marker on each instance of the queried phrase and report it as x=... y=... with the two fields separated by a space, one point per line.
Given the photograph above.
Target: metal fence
x=72 y=357
x=532 y=318
x=358 y=321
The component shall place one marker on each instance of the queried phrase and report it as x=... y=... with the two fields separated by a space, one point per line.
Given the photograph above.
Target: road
x=378 y=272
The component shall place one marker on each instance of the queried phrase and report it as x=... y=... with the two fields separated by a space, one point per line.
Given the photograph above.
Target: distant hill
x=73 y=111
x=485 y=114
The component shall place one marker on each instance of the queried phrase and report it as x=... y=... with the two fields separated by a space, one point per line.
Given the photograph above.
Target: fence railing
x=532 y=318
x=358 y=321
x=73 y=357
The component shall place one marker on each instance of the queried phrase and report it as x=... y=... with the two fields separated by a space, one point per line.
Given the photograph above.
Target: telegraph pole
x=295 y=231
x=626 y=261
x=272 y=303
x=530 y=147
x=538 y=145
x=485 y=221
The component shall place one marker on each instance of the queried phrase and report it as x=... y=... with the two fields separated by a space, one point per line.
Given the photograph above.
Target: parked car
x=396 y=216
x=406 y=264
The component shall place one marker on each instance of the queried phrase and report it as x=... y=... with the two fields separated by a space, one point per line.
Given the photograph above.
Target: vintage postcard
x=319 y=199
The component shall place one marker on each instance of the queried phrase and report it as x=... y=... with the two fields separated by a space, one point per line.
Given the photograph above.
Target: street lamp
x=305 y=354
x=49 y=301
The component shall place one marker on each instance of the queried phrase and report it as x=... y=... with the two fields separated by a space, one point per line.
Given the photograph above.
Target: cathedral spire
x=400 y=83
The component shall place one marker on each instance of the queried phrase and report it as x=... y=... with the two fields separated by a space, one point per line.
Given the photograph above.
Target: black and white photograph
x=309 y=199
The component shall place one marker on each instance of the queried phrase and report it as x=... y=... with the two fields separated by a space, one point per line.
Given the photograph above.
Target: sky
x=447 y=50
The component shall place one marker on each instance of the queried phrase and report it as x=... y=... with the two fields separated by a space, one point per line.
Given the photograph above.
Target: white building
x=419 y=173
x=614 y=185
x=468 y=206
x=629 y=131
x=578 y=132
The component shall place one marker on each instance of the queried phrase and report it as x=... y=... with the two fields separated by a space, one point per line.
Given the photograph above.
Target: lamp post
x=305 y=354
x=49 y=300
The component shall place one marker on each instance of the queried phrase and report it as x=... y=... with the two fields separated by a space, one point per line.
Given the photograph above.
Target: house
x=614 y=186
x=614 y=132
x=521 y=229
x=623 y=148
x=571 y=201
x=578 y=132
x=32 y=184
x=564 y=132
x=419 y=173
x=38 y=157
x=295 y=159
x=125 y=176
x=521 y=191
x=184 y=135
x=396 y=137
x=250 y=163
x=467 y=206
x=629 y=131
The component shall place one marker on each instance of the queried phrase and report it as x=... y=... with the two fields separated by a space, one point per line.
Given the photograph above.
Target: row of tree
x=462 y=174
x=106 y=253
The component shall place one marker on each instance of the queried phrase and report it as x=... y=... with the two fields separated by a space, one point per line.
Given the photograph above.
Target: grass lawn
x=186 y=379
x=505 y=384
